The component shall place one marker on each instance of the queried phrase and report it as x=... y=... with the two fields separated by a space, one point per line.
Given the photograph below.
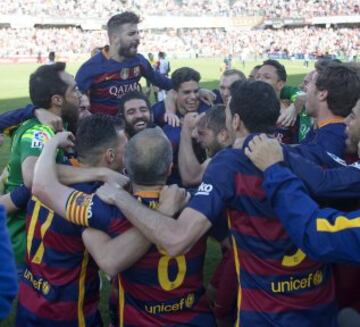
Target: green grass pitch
x=14 y=94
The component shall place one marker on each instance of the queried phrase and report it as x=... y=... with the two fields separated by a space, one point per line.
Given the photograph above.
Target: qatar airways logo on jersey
x=119 y=91
x=204 y=189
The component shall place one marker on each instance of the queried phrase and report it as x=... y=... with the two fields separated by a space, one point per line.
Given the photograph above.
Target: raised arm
x=191 y=170
x=46 y=185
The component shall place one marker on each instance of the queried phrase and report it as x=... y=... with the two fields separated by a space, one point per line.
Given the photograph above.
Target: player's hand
x=47 y=118
x=114 y=178
x=170 y=109
x=172 y=199
x=264 y=151
x=172 y=119
x=108 y=193
x=190 y=121
x=64 y=140
x=207 y=96
x=287 y=117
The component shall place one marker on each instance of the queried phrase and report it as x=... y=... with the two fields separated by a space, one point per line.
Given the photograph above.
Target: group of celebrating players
x=98 y=179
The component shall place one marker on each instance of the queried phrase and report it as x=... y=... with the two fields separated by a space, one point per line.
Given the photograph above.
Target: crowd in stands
x=72 y=41
x=104 y=9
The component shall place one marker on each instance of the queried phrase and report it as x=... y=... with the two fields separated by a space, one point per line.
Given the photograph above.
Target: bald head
x=148 y=156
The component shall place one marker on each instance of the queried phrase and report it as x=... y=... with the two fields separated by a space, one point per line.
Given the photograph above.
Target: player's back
x=276 y=278
x=279 y=284
x=60 y=285
x=162 y=291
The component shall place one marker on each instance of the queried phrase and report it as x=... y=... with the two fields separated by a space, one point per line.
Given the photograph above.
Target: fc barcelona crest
x=124 y=73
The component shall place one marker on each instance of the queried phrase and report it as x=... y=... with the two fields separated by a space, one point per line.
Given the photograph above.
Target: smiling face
x=137 y=116
x=187 y=98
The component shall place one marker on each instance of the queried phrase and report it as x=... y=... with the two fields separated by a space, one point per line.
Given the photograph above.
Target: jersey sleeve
x=215 y=190
x=84 y=78
x=20 y=196
x=7 y=269
x=220 y=230
x=340 y=182
x=88 y=210
x=33 y=140
x=323 y=234
x=155 y=77
x=9 y=120
x=324 y=141
x=158 y=110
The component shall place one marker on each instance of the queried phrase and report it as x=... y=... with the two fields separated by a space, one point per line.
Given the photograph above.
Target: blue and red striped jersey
x=107 y=80
x=162 y=291
x=60 y=285
x=278 y=284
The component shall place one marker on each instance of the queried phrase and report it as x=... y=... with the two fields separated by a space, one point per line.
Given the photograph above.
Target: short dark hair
x=256 y=104
x=127 y=17
x=280 y=69
x=130 y=96
x=342 y=83
x=184 y=74
x=94 y=135
x=214 y=119
x=148 y=156
x=322 y=63
x=238 y=72
x=46 y=82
